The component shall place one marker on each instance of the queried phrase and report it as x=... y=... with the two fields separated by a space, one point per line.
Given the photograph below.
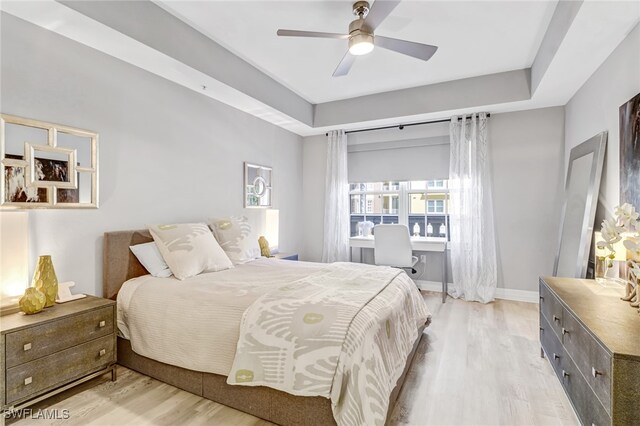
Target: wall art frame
x=43 y=173
x=258 y=188
x=630 y=152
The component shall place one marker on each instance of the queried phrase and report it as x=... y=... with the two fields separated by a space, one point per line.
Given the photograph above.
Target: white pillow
x=150 y=257
x=236 y=239
x=189 y=249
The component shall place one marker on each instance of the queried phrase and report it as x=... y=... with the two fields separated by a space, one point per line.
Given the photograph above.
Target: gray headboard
x=119 y=263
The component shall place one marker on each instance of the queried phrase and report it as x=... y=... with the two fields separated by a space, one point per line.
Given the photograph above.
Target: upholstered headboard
x=119 y=263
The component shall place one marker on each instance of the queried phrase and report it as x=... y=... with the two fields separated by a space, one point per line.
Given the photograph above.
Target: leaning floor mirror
x=46 y=165
x=579 y=209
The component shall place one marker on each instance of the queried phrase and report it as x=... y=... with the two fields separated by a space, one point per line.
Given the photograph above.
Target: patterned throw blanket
x=342 y=333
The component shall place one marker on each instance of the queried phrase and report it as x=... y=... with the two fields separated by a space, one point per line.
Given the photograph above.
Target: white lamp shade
x=14 y=256
x=272 y=227
x=619 y=248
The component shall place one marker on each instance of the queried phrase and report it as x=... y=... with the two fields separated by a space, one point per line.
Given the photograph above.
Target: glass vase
x=601 y=268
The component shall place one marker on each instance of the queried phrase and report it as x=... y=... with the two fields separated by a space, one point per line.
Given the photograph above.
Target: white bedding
x=195 y=323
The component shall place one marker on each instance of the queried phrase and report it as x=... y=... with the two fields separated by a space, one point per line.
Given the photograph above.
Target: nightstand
x=51 y=351
x=285 y=256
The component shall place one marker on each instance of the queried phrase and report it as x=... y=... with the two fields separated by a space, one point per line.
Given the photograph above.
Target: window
x=421 y=205
x=435 y=206
x=377 y=202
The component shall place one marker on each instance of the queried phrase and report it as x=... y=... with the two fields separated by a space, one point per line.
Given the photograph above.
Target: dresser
x=592 y=340
x=48 y=352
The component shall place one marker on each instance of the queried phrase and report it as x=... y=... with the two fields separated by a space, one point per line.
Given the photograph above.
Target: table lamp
x=272 y=228
x=609 y=269
x=14 y=258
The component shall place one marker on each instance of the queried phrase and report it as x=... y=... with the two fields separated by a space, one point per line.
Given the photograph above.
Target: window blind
x=416 y=159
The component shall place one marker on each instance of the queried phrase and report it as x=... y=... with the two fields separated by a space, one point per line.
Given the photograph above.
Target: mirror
x=257 y=186
x=45 y=165
x=579 y=209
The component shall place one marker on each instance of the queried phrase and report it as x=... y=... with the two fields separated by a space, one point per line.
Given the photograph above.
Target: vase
x=601 y=267
x=45 y=280
x=33 y=301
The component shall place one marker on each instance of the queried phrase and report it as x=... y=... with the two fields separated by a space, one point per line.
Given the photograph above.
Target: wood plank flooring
x=477 y=365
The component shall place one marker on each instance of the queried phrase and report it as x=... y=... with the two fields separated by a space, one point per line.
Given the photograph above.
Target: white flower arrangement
x=624 y=227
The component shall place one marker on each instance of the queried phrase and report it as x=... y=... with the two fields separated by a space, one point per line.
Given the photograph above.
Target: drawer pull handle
x=27 y=347
x=565 y=374
x=556 y=356
x=28 y=380
x=542 y=298
x=595 y=373
x=103 y=352
x=102 y=324
x=564 y=331
x=555 y=318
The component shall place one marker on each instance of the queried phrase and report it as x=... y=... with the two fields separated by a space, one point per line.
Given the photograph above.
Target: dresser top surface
x=17 y=321
x=613 y=321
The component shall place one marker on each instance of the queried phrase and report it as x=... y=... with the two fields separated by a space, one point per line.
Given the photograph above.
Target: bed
x=143 y=345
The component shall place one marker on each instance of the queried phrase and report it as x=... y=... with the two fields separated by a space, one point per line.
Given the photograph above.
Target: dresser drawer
x=35 y=342
x=593 y=361
x=552 y=346
x=57 y=369
x=551 y=308
x=588 y=408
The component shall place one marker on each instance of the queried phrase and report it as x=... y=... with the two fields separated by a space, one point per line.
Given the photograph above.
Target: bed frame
x=275 y=406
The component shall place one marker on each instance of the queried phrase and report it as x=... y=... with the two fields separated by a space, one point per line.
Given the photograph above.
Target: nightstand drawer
x=41 y=340
x=59 y=368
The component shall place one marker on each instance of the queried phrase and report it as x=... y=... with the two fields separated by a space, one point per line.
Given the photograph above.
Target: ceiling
x=474 y=38
x=519 y=54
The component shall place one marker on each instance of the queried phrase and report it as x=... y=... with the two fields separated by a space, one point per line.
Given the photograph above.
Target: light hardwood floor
x=476 y=365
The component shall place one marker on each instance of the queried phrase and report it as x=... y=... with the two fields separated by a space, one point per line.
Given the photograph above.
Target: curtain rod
x=400 y=126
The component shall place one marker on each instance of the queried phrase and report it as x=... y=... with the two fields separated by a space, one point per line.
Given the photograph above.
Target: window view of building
x=421 y=205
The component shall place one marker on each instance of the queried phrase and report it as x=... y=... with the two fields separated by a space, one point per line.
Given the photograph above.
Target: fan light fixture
x=361 y=35
x=360 y=44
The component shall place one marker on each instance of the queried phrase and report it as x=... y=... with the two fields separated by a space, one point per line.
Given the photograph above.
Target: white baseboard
x=501 y=293
x=429 y=285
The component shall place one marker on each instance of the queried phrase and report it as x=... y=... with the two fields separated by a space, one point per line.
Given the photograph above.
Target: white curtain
x=473 y=248
x=336 y=206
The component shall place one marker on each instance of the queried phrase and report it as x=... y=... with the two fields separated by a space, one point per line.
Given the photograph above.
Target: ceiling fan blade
x=410 y=48
x=379 y=11
x=296 y=33
x=345 y=65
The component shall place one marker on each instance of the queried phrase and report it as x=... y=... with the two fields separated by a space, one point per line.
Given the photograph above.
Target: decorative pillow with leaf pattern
x=189 y=249
x=236 y=239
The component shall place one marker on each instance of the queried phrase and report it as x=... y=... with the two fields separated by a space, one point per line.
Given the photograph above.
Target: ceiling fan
x=361 y=35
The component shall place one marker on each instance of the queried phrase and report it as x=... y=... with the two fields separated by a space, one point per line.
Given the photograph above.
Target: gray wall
x=595 y=107
x=527 y=151
x=314 y=163
x=166 y=153
x=527 y=169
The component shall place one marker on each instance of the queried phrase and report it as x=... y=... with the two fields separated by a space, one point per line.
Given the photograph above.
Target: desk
x=431 y=244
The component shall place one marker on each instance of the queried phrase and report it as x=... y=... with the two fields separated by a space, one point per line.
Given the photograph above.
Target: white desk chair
x=393 y=247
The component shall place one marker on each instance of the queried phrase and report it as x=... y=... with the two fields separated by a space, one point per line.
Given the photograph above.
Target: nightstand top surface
x=613 y=321
x=14 y=322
